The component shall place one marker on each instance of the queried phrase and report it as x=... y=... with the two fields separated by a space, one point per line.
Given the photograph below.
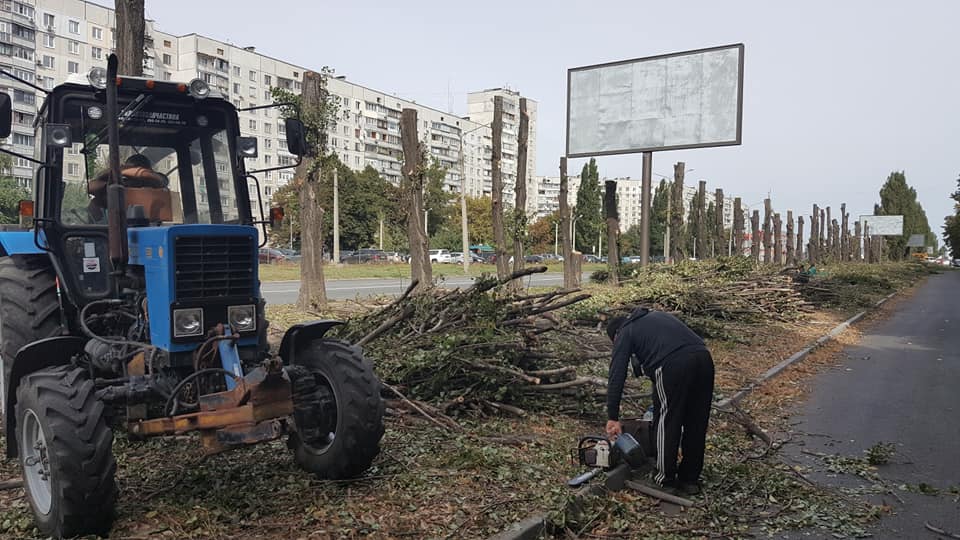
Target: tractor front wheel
x=337 y=410
x=66 y=453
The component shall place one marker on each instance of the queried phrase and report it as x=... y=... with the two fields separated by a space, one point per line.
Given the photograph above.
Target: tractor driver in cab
x=145 y=187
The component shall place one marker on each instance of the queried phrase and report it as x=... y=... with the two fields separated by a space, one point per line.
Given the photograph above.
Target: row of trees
x=951 y=226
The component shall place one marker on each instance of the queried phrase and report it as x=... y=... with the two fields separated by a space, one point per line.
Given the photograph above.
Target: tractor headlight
x=187 y=322
x=199 y=89
x=242 y=318
x=97 y=77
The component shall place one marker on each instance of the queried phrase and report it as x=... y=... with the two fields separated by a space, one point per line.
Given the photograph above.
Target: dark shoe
x=670 y=486
x=690 y=489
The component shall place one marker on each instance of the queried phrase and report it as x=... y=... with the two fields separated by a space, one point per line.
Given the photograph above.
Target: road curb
x=797 y=356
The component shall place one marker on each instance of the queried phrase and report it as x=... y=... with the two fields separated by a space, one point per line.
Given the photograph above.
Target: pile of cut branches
x=484 y=348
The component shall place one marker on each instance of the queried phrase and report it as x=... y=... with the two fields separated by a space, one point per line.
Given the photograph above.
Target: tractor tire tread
x=80 y=444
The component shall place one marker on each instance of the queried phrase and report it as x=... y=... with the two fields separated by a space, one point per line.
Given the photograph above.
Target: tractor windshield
x=175 y=161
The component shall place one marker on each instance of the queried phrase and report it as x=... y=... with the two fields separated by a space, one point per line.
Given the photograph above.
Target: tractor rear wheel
x=66 y=453
x=29 y=311
x=337 y=410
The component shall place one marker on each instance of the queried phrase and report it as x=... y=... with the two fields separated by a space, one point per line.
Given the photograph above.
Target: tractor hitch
x=257 y=409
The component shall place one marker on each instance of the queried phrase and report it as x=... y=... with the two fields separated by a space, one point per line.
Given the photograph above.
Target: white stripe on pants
x=661 y=424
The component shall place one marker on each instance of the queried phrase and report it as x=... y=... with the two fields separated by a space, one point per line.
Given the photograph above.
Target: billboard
x=691 y=99
x=882 y=225
x=917 y=240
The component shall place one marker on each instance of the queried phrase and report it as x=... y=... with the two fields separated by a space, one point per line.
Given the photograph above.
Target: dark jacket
x=653 y=337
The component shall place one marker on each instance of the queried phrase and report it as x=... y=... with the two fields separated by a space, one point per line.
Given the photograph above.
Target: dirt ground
x=426 y=482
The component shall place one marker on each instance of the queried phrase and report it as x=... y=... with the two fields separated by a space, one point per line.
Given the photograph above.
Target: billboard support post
x=645 y=208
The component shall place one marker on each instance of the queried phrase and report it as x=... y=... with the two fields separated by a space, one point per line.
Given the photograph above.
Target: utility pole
x=496 y=176
x=336 y=218
x=131 y=27
x=645 y=208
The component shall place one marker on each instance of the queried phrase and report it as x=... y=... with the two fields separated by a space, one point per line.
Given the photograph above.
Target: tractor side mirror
x=6 y=115
x=247 y=147
x=276 y=216
x=296 y=137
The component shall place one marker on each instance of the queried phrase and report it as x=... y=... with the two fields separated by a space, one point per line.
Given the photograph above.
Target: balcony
x=5 y=37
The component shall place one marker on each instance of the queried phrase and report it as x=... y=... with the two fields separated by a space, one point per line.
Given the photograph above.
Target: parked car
x=363 y=256
x=271 y=255
x=956 y=263
x=291 y=254
x=440 y=255
x=394 y=257
x=530 y=259
x=591 y=259
x=456 y=257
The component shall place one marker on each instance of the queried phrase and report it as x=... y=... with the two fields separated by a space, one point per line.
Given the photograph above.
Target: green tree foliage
x=951 y=227
x=288 y=198
x=480 y=220
x=437 y=201
x=541 y=234
x=898 y=198
x=316 y=121
x=10 y=192
x=588 y=212
x=630 y=241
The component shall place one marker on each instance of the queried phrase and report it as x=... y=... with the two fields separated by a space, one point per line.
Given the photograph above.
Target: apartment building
x=547 y=194
x=46 y=41
x=480 y=110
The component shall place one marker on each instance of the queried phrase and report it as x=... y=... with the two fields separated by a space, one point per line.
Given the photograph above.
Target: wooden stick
x=385 y=325
x=516 y=411
x=505 y=370
x=579 y=381
x=662 y=495
x=414 y=406
x=551 y=372
x=940 y=531
x=11 y=484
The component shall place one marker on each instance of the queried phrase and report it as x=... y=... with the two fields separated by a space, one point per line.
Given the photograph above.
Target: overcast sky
x=837 y=94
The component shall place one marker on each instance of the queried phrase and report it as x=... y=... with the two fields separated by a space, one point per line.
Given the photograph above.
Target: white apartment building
x=548 y=193
x=480 y=111
x=45 y=41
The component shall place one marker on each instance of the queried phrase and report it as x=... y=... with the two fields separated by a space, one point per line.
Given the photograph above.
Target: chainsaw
x=633 y=447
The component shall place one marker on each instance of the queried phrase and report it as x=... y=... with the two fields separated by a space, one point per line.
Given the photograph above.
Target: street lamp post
x=464 y=230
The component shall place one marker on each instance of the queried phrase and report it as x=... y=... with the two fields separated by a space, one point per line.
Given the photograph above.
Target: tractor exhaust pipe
x=116 y=199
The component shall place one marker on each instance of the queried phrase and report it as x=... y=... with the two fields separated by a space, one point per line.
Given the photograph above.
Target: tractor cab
x=135 y=289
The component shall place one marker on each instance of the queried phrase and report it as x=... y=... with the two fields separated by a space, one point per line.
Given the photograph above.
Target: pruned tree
x=496 y=181
x=413 y=187
x=520 y=192
x=613 y=228
x=767 y=231
x=676 y=213
x=571 y=279
x=777 y=239
x=791 y=254
x=701 y=221
x=737 y=226
x=720 y=234
x=755 y=236
x=131 y=27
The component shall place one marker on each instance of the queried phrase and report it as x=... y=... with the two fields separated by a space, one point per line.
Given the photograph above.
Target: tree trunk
x=814 y=246
x=844 y=233
x=767 y=231
x=571 y=280
x=412 y=170
x=313 y=292
x=676 y=213
x=755 y=236
x=499 y=238
x=613 y=228
x=130 y=31
x=737 y=227
x=791 y=255
x=719 y=232
x=799 y=253
x=701 y=229
x=520 y=192
x=829 y=239
x=777 y=239
x=822 y=226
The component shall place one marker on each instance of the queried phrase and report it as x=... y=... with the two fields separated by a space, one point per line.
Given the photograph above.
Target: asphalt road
x=285 y=292
x=900 y=385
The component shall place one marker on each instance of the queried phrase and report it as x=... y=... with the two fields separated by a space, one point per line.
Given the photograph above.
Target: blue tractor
x=131 y=300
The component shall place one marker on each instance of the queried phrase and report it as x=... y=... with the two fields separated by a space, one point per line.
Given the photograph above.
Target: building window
x=296 y=74
x=267 y=143
x=48 y=41
x=220 y=52
x=73 y=169
x=266 y=191
x=266 y=95
x=253 y=76
x=267 y=80
x=96 y=32
x=73 y=47
x=253 y=91
x=21 y=139
x=267 y=127
x=96 y=53
x=166 y=43
x=253 y=124
x=282 y=128
x=167 y=59
x=236 y=71
x=266 y=158
x=48 y=20
x=167 y=76
x=73 y=67
x=48 y=62
x=74 y=27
